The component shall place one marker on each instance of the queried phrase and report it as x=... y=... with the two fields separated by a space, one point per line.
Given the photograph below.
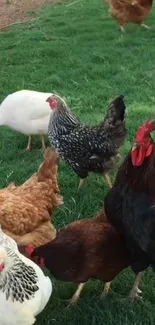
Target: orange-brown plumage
x=26 y=210
x=130 y=11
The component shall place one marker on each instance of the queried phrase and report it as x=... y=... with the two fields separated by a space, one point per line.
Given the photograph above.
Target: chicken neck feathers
x=18 y=283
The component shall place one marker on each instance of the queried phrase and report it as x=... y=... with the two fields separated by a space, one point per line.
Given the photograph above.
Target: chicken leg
x=118 y=155
x=145 y=26
x=122 y=28
x=81 y=183
x=43 y=142
x=28 y=148
x=106 y=289
x=76 y=295
x=135 y=291
x=107 y=179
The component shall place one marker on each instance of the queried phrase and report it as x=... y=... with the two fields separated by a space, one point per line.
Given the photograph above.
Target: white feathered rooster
x=24 y=289
x=26 y=111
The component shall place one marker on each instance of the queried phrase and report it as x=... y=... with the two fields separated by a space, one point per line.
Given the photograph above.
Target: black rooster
x=130 y=204
x=87 y=148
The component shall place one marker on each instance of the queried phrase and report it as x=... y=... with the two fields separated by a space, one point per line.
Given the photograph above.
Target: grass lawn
x=77 y=51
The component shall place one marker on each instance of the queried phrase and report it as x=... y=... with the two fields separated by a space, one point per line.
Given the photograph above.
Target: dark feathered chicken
x=87 y=148
x=75 y=256
x=130 y=204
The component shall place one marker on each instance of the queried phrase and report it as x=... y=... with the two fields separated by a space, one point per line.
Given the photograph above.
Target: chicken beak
x=134 y=146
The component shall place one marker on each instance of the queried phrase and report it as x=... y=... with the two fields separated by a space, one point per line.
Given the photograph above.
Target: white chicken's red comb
x=52 y=101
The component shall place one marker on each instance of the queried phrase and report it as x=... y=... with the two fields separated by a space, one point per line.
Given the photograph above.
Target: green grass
x=77 y=51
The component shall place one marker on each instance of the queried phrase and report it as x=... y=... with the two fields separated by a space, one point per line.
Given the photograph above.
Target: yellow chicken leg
x=107 y=179
x=122 y=28
x=106 y=289
x=76 y=295
x=43 y=142
x=81 y=183
x=135 y=291
x=145 y=26
x=28 y=148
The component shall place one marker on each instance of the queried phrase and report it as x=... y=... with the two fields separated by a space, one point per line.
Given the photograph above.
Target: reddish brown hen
x=75 y=256
x=130 y=11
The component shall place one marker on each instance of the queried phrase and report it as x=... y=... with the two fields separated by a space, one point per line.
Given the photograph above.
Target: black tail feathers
x=116 y=109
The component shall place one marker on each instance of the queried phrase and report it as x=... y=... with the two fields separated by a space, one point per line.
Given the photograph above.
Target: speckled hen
x=87 y=148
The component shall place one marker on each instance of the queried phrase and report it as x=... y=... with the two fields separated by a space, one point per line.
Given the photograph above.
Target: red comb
x=144 y=130
x=29 y=250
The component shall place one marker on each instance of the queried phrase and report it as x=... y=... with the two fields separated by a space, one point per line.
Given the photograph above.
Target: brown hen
x=26 y=210
x=130 y=11
x=76 y=256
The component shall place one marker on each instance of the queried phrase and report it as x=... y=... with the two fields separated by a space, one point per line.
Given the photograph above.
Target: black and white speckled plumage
x=19 y=282
x=88 y=148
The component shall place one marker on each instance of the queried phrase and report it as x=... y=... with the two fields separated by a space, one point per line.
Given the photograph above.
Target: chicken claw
x=145 y=26
x=135 y=291
x=118 y=155
x=135 y=294
x=76 y=295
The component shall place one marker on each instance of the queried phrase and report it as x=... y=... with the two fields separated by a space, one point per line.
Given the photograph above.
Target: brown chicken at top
x=130 y=11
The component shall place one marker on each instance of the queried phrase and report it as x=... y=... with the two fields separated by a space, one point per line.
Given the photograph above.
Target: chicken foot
x=80 y=287
x=107 y=179
x=76 y=295
x=105 y=290
x=135 y=291
x=145 y=26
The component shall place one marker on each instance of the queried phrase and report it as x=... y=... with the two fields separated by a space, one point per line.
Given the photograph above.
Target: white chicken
x=24 y=289
x=26 y=111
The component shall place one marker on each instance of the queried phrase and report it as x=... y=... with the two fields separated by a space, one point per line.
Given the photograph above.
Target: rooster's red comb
x=144 y=130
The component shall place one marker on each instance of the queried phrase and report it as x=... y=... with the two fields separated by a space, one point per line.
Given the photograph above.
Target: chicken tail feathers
x=114 y=122
x=116 y=109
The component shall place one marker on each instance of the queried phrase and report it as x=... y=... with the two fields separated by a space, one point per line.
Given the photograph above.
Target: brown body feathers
x=26 y=210
x=130 y=11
